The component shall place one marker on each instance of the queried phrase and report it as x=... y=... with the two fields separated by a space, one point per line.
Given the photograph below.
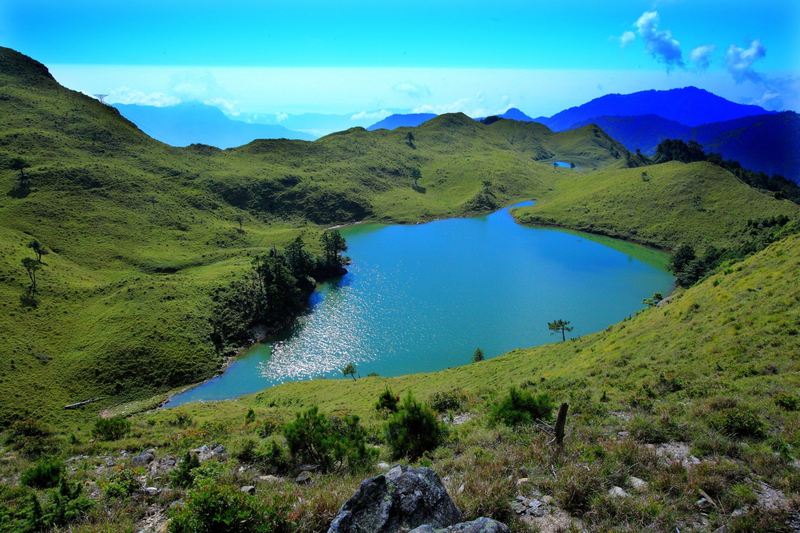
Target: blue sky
x=274 y=57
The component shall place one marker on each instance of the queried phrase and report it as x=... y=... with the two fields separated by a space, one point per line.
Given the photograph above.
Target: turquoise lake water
x=423 y=297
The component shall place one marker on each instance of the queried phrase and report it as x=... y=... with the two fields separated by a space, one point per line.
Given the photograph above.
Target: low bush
x=111 y=428
x=182 y=475
x=743 y=424
x=30 y=437
x=452 y=400
x=387 y=401
x=332 y=444
x=213 y=509
x=121 y=483
x=413 y=430
x=787 y=401
x=67 y=504
x=43 y=475
x=520 y=407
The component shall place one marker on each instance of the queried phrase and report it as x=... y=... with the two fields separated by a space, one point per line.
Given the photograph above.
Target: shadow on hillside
x=28 y=300
x=419 y=188
x=19 y=192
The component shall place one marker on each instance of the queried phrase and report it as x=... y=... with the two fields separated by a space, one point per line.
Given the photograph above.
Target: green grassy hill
x=141 y=233
x=661 y=205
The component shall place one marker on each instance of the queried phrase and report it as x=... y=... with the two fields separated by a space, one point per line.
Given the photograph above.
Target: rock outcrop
x=403 y=497
x=406 y=498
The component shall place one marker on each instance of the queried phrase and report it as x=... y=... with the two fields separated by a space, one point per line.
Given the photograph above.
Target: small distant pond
x=423 y=297
x=562 y=164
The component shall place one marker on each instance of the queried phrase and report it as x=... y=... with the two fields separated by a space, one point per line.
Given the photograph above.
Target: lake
x=420 y=298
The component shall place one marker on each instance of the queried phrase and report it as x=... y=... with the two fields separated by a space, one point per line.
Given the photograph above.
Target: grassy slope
x=698 y=203
x=141 y=232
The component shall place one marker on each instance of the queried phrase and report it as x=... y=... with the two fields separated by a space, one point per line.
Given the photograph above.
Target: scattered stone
x=522 y=480
x=303 y=478
x=249 y=489
x=738 y=512
x=403 y=497
x=460 y=489
x=142 y=459
x=383 y=466
x=270 y=479
x=622 y=434
x=152 y=491
x=638 y=485
x=306 y=468
x=694 y=460
x=111 y=463
x=547 y=500
x=703 y=503
x=618 y=492
x=481 y=525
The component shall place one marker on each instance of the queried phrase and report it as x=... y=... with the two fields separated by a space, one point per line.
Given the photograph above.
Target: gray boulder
x=142 y=459
x=403 y=497
x=481 y=525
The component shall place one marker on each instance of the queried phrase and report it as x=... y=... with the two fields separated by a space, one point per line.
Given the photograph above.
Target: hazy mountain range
x=194 y=122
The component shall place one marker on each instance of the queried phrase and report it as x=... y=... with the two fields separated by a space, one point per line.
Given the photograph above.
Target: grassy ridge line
x=747 y=318
x=673 y=203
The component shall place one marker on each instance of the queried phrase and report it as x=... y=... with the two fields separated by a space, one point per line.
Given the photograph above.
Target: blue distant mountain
x=516 y=114
x=768 y=143
x=411 y=120
x=689 y=106
x=193 y=122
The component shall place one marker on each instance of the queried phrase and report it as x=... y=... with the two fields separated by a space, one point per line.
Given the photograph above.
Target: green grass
x=675 y=203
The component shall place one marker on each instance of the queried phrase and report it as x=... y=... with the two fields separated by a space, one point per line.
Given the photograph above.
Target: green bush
x=387 y=401
x=787 y=401
x=743 y=424
x=520 y=407
x=413 y=430
x=214 y=509
x=312 y=438
x=182 y=475
x=121 y=483
x=67 y=504
x=43 y=475
x=274 y=456
x=29 y=437
x=111 y=428
x=452 y=400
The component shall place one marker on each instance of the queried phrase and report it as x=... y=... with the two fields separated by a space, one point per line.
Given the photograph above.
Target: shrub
x=787 y=401
x=312 y=438
x=67 y=504
x=111 y=428
x=521 y=407
x=212 y=509
x=413 y=430
x=123 y=482
x=275 y=456
x=250 y=417
x=269 y=426
x=29 y=437
x=43 y=475
x=387 y=401
x=182 y=475
x=743 y=424
x=452 y=400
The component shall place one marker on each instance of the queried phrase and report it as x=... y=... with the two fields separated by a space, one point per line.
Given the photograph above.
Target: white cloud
x=280 y=117
x=411 y=89
x=471 y=107
x=659 y=44
x=700 y=56
x=126 y=95
x=627 y=38
x=739 y=61
x=372 y=115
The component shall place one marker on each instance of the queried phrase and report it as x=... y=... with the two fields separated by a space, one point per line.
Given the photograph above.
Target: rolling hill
x=402 y=120
x=141 y=233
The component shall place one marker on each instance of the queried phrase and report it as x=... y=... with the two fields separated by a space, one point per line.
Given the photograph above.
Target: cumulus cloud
x=659 y=44
x=411 y=89
x=280 y=117
x=469 y=106
x=739 y=61
x=700 y=56
x=371 y=115
x=126 y=95
x=627 y=38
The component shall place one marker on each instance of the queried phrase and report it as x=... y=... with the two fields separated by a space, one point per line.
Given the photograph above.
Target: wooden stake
x=560 y=421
